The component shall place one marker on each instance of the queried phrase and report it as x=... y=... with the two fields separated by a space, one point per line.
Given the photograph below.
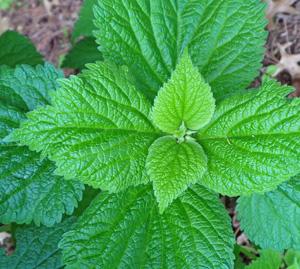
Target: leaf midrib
x=245 y=136
x=101 y=129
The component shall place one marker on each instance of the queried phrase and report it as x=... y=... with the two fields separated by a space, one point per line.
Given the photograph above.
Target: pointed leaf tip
x=184 y=98
x=173 y=167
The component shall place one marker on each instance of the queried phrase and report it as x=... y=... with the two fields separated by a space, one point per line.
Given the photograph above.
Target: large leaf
x=97 y=129
x=84 y=51
x=125 y=230
x=269 y=259
x=85 y=26
x=37 y=247
x=28 y=188
x=173 y=167
x=224 y=39
x=252 y=142
x=272 y=220
x=185 y=98
x=17 y=49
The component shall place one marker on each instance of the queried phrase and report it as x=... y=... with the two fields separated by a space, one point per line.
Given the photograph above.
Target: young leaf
x=85 y=26
x=128 y=232
x=252 y=140
x=272 y=220
x=184 y=98
x=37 y=247
x=292 y=259
x=224 y=39
x=173 y=167
x=97 y=129
x=13 y=47
x=84 y=51
x=269 y=259
x=29 y=190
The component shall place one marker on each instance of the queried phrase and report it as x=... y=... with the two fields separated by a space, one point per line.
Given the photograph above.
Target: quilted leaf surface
x=149 y=36
x=125 y=230
x=173 y=167
x=28 y=188
x=272 y=220
x=37 y=247
x=98 y=129
x=252 y=141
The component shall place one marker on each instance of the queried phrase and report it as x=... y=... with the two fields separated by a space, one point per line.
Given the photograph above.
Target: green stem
x=5 y=228
x=247 y=251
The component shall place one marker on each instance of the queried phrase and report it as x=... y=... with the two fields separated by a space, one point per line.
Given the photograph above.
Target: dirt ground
x=49 y=24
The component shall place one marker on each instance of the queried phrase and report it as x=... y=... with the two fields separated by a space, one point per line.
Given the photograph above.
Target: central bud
x=183 y=133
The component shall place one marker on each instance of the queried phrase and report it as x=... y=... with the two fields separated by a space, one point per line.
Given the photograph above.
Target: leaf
x=37 y=247
x=28 y=189
x=184 y=98
x=97 y=129
x=13 y=45
x=272 y=220
x=85 y=26
x=173 y=167
x=4 y=4
x=128 y=232
x=85 y=51
x=252 y=141
x=149 y=36
x=88 y=196
x=292 y=259
x=269 y=259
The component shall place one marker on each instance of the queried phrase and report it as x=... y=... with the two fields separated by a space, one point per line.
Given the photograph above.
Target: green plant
x=161 y=126
x=5 y=4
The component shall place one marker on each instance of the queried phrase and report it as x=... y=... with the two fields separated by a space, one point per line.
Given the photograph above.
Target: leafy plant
x=13 y=45
x=161 y=126
x=83 y=52
x=5 y=4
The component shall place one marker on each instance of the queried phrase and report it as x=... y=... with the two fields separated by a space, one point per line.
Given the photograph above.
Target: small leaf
x=84 y=51
x=272 y=220
x=184 y=98
x=37 y=247
x=85 y=26
x=125 y=230
x=98 y=129
x=252 y=142
x=13 y=47
x=173 y=167
x=269 y=259
x=292 y=259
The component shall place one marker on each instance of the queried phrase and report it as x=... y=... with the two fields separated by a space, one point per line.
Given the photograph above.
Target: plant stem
x=247 y=251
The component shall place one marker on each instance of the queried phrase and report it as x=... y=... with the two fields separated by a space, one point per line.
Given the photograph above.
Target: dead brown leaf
x=288 y=62
x=48 y=4
x=280 y=6
x=4 y=25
